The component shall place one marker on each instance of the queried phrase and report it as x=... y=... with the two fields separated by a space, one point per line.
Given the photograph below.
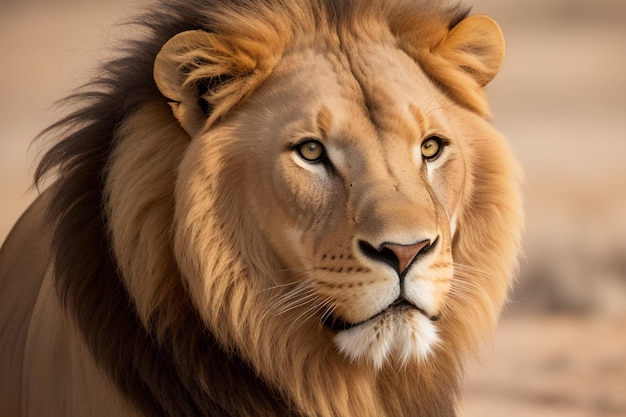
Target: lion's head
x=308 y=192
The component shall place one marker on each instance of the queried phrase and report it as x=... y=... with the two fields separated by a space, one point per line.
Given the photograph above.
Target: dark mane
x=183 y=374
x=151 y=375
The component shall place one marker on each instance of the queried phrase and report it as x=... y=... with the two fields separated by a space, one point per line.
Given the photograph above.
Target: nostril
x=385 y=255
x=398 y=256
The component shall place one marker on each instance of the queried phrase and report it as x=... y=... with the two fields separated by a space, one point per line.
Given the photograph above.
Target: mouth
x=336 y=324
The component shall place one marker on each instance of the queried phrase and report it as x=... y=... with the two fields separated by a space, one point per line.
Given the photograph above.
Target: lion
x=267 y=208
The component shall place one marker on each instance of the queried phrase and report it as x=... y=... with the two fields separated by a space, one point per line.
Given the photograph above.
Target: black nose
x=400 y=257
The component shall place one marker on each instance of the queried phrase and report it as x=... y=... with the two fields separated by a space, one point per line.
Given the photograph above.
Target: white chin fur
x=401 y=337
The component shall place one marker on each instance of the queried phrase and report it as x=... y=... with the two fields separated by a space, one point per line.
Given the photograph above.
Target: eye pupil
x=312 y=147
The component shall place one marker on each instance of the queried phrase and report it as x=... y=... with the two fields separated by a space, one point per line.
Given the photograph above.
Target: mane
x=175 y=366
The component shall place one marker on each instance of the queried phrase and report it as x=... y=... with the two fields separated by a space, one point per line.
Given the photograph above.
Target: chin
x=406 y=336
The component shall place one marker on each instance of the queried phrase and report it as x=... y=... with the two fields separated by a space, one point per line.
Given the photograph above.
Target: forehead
x=390 y=85
x=357 y=90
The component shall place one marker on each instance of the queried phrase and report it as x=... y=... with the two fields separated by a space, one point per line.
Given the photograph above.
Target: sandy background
x=561 y=100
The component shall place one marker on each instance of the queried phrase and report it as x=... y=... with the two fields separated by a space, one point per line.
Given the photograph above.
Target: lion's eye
x=432 y=147
x=311 y=150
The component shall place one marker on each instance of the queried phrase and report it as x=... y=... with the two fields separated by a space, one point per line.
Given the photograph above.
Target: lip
x=401 y=304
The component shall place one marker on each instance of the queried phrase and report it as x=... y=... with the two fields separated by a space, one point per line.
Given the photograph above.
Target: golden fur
x=206 y=202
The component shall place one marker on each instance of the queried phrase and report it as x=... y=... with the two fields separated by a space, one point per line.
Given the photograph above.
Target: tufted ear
x=467 y=59
x=203 y=75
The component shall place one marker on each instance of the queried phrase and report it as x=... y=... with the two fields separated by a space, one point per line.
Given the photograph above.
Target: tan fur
x=219 y=208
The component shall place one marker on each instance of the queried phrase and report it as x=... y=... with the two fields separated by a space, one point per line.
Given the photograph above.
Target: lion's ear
x=476 y=46
x=202 y=75
x=467 y=59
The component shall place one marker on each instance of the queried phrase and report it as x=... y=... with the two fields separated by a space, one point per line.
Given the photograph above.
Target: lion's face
x=355 y=183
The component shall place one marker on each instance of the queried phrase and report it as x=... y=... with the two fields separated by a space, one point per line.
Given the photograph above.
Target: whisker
x=298 y=289
x=307 y=314
x=302 y=269
x=294 y=304
x=329 y=310
x=295 y=282
x=297 y=295
x=281 y=300
x=278 y=287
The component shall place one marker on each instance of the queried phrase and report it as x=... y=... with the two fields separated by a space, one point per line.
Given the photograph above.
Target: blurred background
x=560 y=349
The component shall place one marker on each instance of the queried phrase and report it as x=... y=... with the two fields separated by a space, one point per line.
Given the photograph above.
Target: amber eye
x=431 y=148
x=311 y=150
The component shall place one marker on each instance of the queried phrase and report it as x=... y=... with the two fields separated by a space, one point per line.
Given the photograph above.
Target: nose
x=398 y=256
